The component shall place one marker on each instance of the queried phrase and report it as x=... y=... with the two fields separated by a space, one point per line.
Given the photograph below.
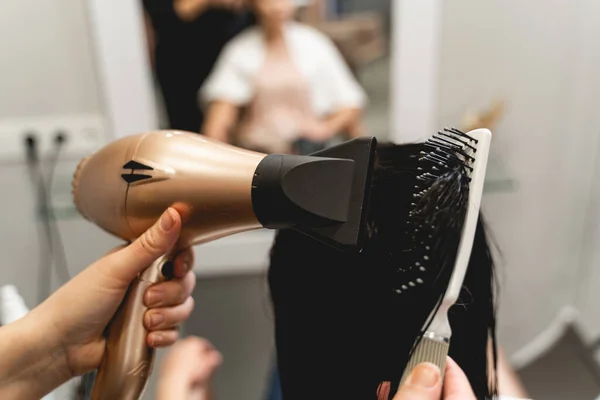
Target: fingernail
x=425 y=375
x=152 y=297
x=186 y=266
x=155 y=319
x=156 y=339
x=167 y=221
x=383 y=390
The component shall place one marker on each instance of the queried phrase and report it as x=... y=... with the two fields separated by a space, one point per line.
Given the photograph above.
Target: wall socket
x=84 y=134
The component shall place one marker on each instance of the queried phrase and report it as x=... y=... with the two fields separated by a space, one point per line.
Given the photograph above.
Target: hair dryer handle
x=128 y=360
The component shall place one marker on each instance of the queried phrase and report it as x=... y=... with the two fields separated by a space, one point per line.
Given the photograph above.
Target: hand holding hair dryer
x=219 y=190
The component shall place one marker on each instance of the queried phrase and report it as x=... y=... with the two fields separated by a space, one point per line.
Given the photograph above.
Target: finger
x=181 y=360
x=206 y=359
x=190 y=364
x=155 y=242
x=383 y=391
x=170 y=293
x=162 y=338
x=423 y=383
x=190 y=355
x=159 y=319
x=209 y=366
x=184 y=262
x=116 y=249
x=456 y=383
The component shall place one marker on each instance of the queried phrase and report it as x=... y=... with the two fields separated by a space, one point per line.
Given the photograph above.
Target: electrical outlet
x=83 y=134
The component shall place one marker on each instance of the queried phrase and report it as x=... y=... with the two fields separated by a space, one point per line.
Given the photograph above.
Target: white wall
x=47 y=65
x=46 y=68
x=123 y=65
x=415 y=60
x=541 y=57
x=586 y=123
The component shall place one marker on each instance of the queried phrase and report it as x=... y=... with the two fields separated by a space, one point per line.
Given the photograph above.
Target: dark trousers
x=181 y=105
x=179 y=85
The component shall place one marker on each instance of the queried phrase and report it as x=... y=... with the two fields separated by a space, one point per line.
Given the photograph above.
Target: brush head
x=435 y=215
x=473 y=148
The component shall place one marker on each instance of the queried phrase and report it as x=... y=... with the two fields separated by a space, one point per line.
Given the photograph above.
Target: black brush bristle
x=435 y=217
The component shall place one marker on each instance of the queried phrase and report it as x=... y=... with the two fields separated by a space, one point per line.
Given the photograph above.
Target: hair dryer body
x=128 y=184
x=219 y=190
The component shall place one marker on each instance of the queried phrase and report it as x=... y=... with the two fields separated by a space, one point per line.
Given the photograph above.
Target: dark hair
x=340 y=329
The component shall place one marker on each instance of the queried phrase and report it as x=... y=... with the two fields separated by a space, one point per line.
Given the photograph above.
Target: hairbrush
x=440 y=230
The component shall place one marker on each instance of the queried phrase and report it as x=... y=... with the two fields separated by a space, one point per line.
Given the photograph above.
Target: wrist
x=33 y=362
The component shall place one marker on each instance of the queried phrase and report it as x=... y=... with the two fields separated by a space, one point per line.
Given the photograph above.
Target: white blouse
x=332 y=85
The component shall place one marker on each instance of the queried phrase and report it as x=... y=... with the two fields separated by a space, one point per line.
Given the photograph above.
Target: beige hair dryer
x=220 y=190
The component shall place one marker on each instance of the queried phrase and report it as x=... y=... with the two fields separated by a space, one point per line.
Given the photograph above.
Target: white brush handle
x=440 y=324
x=432 y=349
x=483 y=137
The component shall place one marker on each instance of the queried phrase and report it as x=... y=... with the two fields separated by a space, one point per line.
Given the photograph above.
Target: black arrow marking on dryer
x=136 y=165
x=131 y=177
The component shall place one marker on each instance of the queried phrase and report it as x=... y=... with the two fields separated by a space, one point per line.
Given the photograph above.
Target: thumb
x=158 y=240
x=424 y=383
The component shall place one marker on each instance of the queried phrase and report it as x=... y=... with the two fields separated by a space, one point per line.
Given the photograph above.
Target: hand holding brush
x=425 y=383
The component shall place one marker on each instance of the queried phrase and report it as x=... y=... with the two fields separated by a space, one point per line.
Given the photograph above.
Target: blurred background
x=77 y=74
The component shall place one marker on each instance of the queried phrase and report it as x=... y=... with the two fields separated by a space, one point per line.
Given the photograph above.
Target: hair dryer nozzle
x=323 y=195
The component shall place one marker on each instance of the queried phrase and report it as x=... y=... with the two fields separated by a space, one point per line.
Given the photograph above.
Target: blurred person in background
x=281 y=87
x=185 y=38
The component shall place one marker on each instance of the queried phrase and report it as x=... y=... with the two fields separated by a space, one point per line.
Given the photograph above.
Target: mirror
x=195 y=58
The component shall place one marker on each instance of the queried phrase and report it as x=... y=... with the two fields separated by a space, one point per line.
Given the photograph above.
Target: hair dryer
x=220 y=190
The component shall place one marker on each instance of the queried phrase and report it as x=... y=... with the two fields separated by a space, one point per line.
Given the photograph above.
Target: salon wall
x=47 y=64
x=541 y=57
x=361 y=5
x=47 y=68
x=588 y=297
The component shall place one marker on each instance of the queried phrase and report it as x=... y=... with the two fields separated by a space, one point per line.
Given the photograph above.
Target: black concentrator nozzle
x=323 y=195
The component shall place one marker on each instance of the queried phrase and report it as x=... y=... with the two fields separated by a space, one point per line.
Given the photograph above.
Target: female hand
x=187 y=371
x=63 y=336
x=425 y=383
x=93 y=296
